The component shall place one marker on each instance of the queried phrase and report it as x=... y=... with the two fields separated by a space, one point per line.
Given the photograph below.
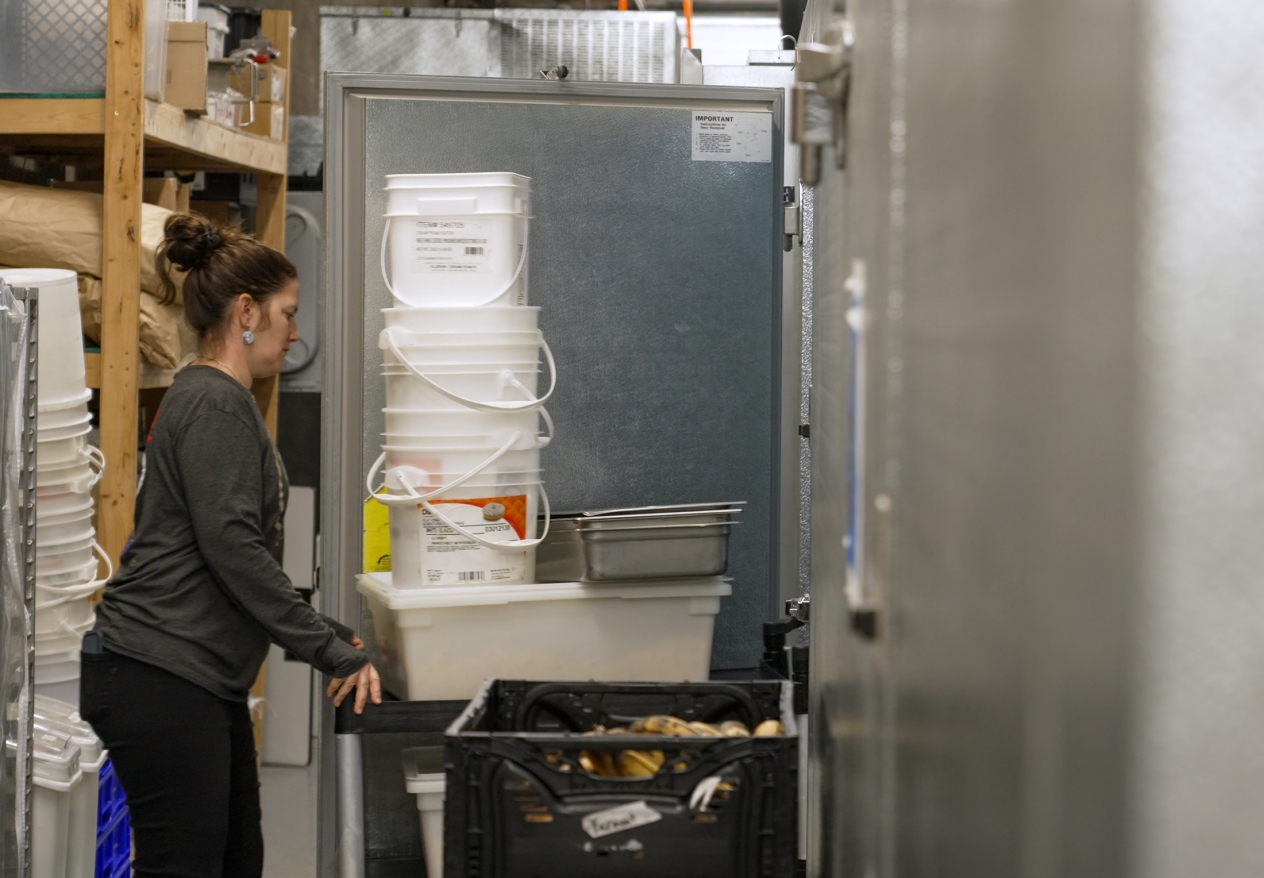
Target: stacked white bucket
x=461 y=359
x=67 y=468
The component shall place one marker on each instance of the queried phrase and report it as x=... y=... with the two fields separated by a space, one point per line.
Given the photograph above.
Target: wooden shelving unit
x=133 y=133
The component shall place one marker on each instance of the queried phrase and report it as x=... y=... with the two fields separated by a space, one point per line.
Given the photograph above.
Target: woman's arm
x=221 y=468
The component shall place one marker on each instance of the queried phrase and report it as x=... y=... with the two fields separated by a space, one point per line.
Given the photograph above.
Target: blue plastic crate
x=110 y=799
x=114 y=848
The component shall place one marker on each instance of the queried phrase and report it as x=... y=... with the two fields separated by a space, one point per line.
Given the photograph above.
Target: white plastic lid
x=36 y=277
x=378 y=585
x=91 y=750
x=56 y=762
x=454 y=181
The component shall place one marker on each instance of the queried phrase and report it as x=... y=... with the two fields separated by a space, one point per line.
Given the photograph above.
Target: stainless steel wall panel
x=1200 y=759
x=1064 y=385
x=603 y=46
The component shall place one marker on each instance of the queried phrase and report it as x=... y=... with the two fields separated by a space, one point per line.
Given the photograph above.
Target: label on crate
x=451 y=246
x=602 y=823
x=449 y=557
x=725 y=136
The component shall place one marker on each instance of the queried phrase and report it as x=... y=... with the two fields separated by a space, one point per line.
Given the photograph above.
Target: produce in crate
x=646 y=763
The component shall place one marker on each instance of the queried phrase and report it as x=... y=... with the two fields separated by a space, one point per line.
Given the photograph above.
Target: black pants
x=186 y=760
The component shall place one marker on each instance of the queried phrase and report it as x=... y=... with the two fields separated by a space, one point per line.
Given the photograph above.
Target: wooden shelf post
x=120 y=244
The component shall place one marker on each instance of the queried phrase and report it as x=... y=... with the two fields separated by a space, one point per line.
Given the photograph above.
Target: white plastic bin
x=457 y=239
x=55 y=776
x=441 y=643
x=63 y=717
x=424 y=778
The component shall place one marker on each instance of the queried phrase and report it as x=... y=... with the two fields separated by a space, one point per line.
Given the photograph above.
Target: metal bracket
x=791 y=223
x=800 y=608
x=818 y=101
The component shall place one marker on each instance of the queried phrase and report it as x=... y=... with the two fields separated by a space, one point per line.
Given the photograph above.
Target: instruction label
x=451 y=246
x=450 y=557
x=720 y=136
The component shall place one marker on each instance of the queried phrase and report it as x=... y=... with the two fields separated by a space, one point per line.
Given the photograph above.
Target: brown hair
x=221 y=262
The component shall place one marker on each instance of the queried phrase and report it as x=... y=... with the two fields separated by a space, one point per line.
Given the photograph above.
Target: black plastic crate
x=517 y=796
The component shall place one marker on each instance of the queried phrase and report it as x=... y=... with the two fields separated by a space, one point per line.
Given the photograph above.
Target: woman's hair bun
x=189 y=240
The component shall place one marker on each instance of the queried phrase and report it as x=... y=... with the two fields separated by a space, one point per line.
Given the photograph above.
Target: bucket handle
x=507 y=547
x=412 y=498
x=522 y=261
x=94 y=455
x=508 y=406
x=71 y=592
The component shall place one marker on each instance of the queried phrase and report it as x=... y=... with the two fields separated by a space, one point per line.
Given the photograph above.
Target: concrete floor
x=288 y=796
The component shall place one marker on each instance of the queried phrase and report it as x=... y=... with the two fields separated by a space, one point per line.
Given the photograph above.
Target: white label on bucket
x=720 y=136
x=449 y=557
x=624 y=817
x=451 y=246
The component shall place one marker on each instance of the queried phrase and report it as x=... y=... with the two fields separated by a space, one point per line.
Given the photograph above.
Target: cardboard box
x=271 y=79
x=186 y=66
x=269 y=120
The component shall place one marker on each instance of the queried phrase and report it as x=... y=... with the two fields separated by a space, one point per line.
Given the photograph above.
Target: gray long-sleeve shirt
x=200 y=591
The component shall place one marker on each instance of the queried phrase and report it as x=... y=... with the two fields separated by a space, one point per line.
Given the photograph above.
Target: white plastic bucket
x=405 y=391
x=77 y=476
x=452 y=459
x=436 y=422
x=57 y=616
x=469 y=355
x=70 y=416
x=55 y=506
x=64 y=558
x=51 y=453
x=457 y=240
x=492 y=318
x=424 y=778
x=58 y=655
x=48 y=521
x=48 y=537
x=520 y=440
x=61 y=368
x=53 y=434
x=428 y=552
x=408 y=338
x=71 y=577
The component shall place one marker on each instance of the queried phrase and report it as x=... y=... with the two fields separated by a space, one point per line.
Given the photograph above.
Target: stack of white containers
x=67 y=468
x=461 y=364
x=465 y=424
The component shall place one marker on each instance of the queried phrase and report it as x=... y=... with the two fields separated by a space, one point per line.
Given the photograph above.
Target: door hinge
x=818 y=105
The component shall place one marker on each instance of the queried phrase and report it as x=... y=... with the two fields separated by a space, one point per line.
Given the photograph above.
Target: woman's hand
x=366 y=683
x=356 y=642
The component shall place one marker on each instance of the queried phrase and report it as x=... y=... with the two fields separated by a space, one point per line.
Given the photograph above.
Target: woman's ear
x=245 y=310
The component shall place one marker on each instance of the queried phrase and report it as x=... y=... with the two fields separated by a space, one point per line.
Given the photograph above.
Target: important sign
x=721 y=136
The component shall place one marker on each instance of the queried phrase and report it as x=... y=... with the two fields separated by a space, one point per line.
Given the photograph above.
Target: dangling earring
x=248 y=337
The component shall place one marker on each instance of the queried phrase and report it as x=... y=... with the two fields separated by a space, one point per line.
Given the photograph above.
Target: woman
x=185 y=624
